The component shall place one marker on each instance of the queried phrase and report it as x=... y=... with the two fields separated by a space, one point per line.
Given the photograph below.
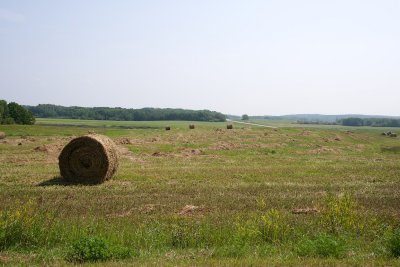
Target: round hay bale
x=167 y=128
x=2 y=135
x=191 y=126
x=229 y=126
x=393 y=135
x=89 y=159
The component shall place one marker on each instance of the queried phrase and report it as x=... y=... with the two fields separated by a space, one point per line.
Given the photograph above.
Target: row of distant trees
x=373 y=122
x=352 y=121
x=11 y=113
x=123 y=114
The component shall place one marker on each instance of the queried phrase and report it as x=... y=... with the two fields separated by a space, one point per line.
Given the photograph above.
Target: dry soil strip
x=254 y=124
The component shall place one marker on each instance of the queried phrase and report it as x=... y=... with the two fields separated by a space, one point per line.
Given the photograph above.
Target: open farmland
x=294 y=195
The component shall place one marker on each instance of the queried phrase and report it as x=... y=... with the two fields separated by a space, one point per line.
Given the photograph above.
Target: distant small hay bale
x=2 y=135
x=89 y=159
x=393 y=135
x=168 y=128
x=191 y=126
x=229 y=126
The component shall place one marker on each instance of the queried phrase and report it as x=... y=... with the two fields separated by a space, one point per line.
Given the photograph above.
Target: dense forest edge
x=124 y=114
x=13 y=113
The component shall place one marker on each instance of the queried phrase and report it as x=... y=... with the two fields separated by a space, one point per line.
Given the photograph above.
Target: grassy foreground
x=209 y=196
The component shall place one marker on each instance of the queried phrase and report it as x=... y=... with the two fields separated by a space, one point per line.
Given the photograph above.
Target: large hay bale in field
x=2 y=135
x=229 y=126
x=191 y=126
x=89 y=159
x=167 y=128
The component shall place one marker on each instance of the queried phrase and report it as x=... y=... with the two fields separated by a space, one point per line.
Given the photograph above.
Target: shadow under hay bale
x=229 y=126
x=90 y=159
x=2 y=135
x=191 y=126
x=167 y=128
x=58 y=180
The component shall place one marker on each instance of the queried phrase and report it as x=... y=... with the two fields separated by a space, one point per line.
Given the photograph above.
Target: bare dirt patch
x=50 y=148
x=123 y=141
x=159 y=154
x=148 y=208
x=273 y=145
x=306 y=133
x=121 y=214
x=359 y=147
x=28 y=138
x=305 y=211
x=224 y=146
x=324 y=150
x=19 y=141
x=191 y=152
x=191 y=209
x=127 y=154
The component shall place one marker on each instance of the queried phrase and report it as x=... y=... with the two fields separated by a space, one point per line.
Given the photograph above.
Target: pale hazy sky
x=255 y=57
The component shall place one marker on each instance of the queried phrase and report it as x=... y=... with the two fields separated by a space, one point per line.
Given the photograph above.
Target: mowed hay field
x=206 y=196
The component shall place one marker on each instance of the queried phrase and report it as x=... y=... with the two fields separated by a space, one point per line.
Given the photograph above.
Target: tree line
x=11 y=113
x=123 y=114
x=373 y=122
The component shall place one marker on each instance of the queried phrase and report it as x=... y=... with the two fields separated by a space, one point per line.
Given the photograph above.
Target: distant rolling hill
x=316 y=117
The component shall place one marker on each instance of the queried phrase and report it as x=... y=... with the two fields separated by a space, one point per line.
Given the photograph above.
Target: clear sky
x=256 y=57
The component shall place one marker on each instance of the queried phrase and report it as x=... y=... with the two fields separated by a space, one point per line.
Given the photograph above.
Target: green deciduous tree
x=20 y=114
x=3 y=111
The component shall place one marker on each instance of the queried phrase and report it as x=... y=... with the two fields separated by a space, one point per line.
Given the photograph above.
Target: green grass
x=244 y=182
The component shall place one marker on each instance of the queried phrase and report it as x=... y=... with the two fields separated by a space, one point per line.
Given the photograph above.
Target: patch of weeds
x=236 y=248
x=340 y=215
x=305 y=248
x=243 y=237
x=23 y=226
x=329 y=246
x=324 y=246
x=179 y=237
x=274 y=226
x=261 y=204
x=394 y=243
x=96 y=248
x=232 y=250
x=184 y=235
